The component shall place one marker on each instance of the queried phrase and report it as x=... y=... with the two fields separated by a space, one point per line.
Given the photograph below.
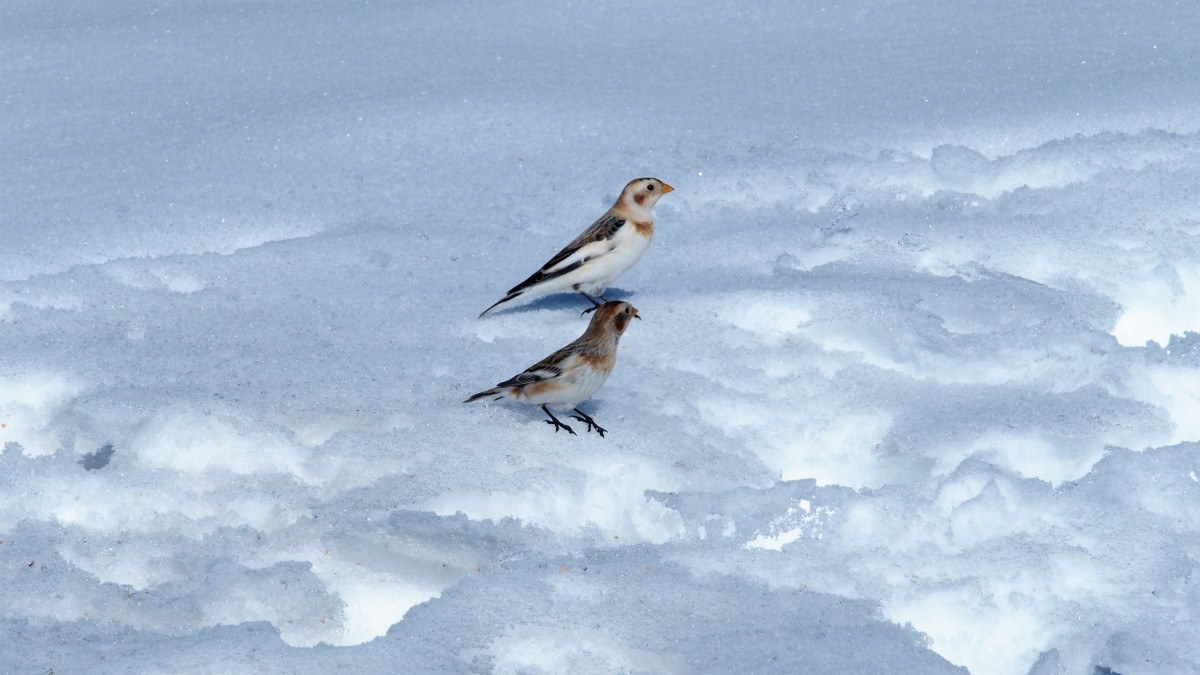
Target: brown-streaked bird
x=603 y=252
x=572 y=374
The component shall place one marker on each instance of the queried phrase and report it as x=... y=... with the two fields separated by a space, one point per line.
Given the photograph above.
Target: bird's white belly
x=580 y=385
x=596 y=274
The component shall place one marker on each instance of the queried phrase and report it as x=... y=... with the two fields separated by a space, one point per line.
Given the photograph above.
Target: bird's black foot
x=557 y=424
x=595 y=305
x=591 y=423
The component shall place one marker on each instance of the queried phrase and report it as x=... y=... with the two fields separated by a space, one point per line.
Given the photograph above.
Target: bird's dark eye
x=650 y=188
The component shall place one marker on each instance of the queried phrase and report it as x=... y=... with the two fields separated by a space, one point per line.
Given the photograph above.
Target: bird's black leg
x=586 y=419
x=557 y=425
x=595 y=305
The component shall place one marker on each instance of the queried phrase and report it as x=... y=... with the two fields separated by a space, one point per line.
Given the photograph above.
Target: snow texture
x=917 y=388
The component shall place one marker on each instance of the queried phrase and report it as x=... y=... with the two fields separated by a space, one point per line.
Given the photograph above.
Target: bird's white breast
x=596 y=274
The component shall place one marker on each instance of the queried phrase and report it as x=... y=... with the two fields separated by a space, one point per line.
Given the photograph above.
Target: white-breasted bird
x=572 y=374
x=603 y=252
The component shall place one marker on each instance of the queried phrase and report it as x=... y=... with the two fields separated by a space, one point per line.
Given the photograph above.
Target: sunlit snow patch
x=28 y=404
x=1176 y=389
x=800 y=520
x=772 y=318
x=611 y=498
x=314 y=428
x=377 y=582
x=813 y=438
x=1029 y=454
x=192 y=442
x=1157 y=307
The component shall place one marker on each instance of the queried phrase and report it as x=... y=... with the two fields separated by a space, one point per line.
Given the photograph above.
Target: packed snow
x=917 y=388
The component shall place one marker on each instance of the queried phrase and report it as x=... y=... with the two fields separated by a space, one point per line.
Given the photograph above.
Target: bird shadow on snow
x=557 y=301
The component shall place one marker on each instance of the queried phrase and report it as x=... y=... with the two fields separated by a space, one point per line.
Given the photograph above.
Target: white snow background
x=917 y=387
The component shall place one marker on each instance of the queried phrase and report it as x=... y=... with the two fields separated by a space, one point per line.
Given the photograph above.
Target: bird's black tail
x=508 y=296
x=483 y=394
x=538 y=277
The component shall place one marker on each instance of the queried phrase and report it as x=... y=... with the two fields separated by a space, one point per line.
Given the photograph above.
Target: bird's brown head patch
x=623 y=316
x=643 y=192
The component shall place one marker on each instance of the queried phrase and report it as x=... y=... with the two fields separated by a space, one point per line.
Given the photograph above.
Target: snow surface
x=917 y=387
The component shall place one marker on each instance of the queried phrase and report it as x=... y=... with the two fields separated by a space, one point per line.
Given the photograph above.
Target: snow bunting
x=573 y=373
x=603 y=252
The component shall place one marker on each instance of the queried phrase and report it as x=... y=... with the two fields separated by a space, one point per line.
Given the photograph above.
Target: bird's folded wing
x=577 y=257
x=530 y=376
x=594 y=240
x=548 y=368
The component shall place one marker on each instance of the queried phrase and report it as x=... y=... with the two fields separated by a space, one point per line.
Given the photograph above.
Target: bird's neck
x=636 y=212
x=600 y=340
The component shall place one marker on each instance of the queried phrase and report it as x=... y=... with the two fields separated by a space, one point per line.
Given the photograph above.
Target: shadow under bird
x=602 y=253
x=572 y=374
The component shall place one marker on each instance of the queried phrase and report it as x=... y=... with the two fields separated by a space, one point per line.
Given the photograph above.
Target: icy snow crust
x=917 y=388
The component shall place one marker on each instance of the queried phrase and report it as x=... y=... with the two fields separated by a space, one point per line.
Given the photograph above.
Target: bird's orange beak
x=667 y=188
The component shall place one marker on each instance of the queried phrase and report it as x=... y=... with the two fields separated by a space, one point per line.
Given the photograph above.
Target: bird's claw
x=559 y=425
x=591 y=425
x=595 y=305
